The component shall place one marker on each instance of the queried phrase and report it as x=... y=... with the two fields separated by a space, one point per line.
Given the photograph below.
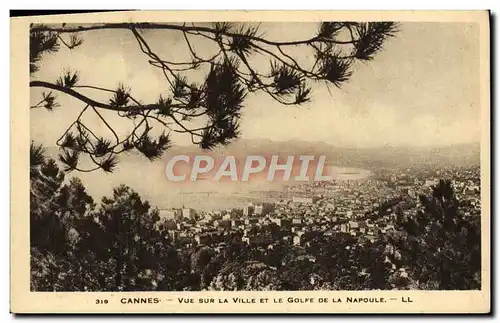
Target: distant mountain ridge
x=390 y=156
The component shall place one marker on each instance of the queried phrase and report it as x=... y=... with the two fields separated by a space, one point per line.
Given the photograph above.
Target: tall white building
x=188 y=213
x=168 y=214
x=248 y=210
x=304 y=200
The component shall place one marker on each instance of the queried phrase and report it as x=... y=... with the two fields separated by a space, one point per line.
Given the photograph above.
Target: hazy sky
x=421 y=90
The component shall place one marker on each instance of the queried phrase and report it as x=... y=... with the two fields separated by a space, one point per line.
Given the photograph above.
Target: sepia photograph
x=245 y=155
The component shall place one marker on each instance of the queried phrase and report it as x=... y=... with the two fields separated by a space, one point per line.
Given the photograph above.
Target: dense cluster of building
x=364 y=208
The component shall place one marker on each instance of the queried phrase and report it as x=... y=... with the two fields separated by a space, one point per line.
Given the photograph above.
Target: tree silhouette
x=127 y=245
x=230 y=74
x=56 y=214
x=78 y=247
x=46 y=230
x=250 y=275
x=439 y=244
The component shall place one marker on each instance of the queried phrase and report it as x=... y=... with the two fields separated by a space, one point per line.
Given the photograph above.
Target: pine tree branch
x=221 y=95
x=315 y=39
x=91 y=102
x=82 y=97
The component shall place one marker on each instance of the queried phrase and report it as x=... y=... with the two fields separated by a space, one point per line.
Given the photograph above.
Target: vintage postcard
x=251 y=162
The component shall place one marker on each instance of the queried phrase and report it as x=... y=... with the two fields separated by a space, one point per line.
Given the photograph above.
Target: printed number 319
x=101 y=301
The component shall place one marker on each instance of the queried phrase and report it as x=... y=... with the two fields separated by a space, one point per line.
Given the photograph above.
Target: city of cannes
x=259 y=300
